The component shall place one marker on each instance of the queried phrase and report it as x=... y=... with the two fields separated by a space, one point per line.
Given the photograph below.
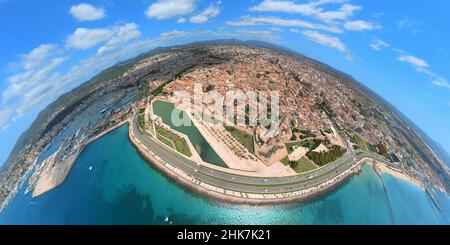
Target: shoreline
x=381 y=168
x=210 y=192
x=213 y=193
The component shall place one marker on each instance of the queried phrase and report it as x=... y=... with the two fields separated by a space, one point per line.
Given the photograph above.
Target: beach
x=382 y=168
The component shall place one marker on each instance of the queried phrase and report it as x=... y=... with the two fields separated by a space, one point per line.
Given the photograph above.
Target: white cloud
x=34 y=89
x=274 y=21
x=422 y=66
x=30 y=90
x=173 y=34
x=265 y=35
x=285 y=6
x=326 y=40
x=441 y=83
x=417 y=63
x=166 y=9
x=313 y=9
x=208 y=35
x=124 y=34
x=343 y=13
x=407 y=24
x=28 y=78
x=403 y=23
x=5 y=114
x=360 y=25
x=84 y=38
x=34 y=67
x=36 y=82
x=38 y=55
x=86 y=12
x=276 y=29
x=398 y=50
x=181 y=20
x=210 y=12
x=31 y=83
x=121 y=34
x=378 y=45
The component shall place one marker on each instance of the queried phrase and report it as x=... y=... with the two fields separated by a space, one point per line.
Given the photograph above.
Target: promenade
x=232 y=187
x=226 y=184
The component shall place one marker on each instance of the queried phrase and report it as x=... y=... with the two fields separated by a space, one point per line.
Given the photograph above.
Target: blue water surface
x=122 y=188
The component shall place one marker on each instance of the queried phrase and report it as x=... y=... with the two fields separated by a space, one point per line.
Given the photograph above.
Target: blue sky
x=397 y=49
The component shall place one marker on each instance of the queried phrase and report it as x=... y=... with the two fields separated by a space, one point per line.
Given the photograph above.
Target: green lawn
x=302 y=165
x=362 y=143
x=309 y=143
x=179 y=142
x=243 y=137
x=285 y=160
x=165 y=141
x=141 y=121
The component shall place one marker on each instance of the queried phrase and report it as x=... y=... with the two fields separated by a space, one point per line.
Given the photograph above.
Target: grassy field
x=179 y=142
x=243 y=137
x=291 y=145
x=309 y=143
x=362 y=143
x=141 y=121
x=300 y=166
x=165 y=141
x=285 y=160
x=303 y=165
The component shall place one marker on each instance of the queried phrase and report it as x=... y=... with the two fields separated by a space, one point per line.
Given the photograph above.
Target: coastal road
x=241 y=183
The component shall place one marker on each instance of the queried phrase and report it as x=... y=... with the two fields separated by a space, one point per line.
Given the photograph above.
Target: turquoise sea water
x=206 y=152
x=122 y=188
